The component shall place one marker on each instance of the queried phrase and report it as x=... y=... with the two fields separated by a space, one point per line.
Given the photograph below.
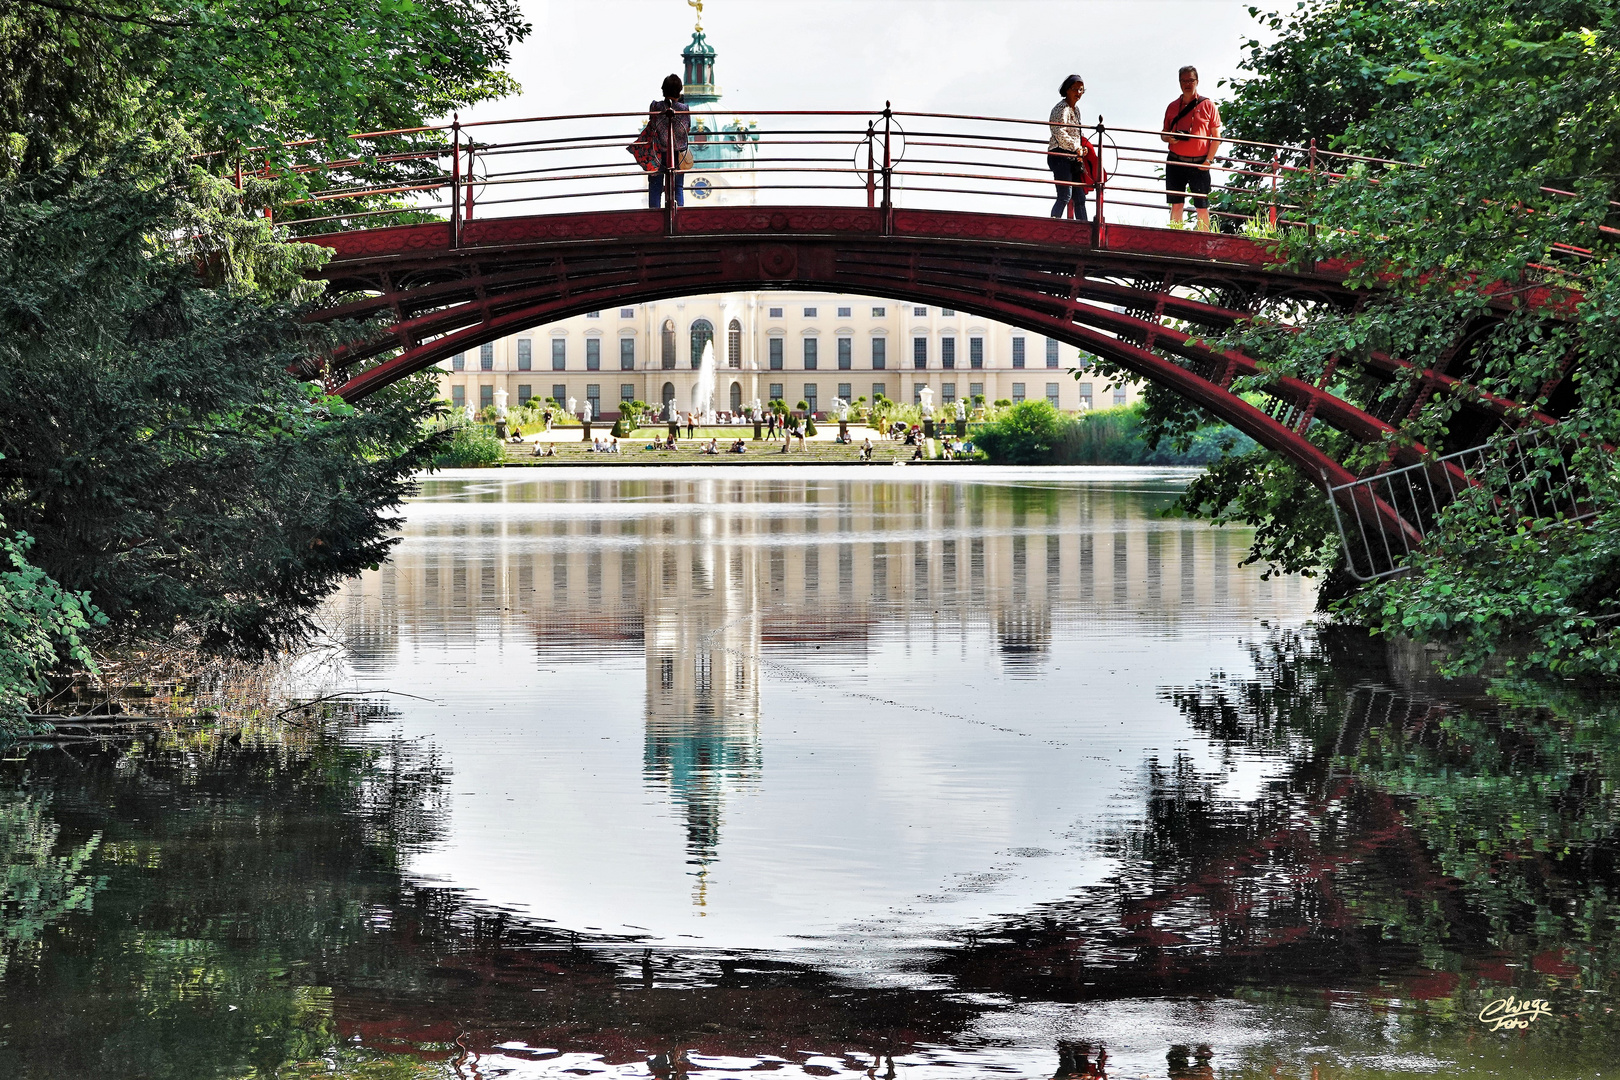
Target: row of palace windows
x=702 y=334
x=846 y=391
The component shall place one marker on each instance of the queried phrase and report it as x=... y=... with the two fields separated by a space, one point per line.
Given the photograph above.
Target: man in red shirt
x=1192 y=127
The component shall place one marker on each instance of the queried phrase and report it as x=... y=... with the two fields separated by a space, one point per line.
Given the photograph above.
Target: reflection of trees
x=235 y=874
x=1404 y=847
x=41 y=882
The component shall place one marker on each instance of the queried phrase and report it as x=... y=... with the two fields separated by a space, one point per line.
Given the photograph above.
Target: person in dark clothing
x=668 y=124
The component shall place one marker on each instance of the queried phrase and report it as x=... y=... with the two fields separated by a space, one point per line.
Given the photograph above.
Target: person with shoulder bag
x=1192 y=127
x=1069 y=155
x=669 y=122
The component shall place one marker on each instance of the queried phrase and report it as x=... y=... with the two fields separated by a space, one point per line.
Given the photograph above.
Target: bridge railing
x=1526 y=477
x=880 y=159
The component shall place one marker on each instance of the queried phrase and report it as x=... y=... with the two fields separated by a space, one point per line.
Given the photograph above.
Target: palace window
x=880 y=353
x=844 y=312
x=702 y=334
x=458 y=396
x=947 y=353
x=776 y=391
x=627 y=392
x=776 y=347
x=593 y=394
x=593 y=354
x=810 y=354
x=525 y=354
x=1085 y=394
x=627 y=354
x=1018 y=352
x=458 y=362
x=666 y=357
x=734 y=345
x=1052 y=394
x=879 y=390
x=846 y=353
x=559 y=354
x=486 y=357
x=810 y=395
x=593 y=314
x=1119 y=395
x=975 y=389
x=559 y=394
x=920 y=312
x=880 y=313
x=775 y=312
x=845 y=391
x=947 y=393
x=919 y=353
x=1018 y=392
x=947 y=312
x=486 y=396
x=975 y=352
x=525 y=392
x=1051 y=352
x=809 y=312
x=627 y=313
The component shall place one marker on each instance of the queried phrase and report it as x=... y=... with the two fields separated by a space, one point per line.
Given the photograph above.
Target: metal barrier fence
x=1525 y=475
x=878 y=159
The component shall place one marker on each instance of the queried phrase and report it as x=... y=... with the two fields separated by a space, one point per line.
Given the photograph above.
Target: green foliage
x=156 y=448
x=1547 y=592
x=39 y=884
x=1492 y=101
x=1118 y=436
x=41 y=627
x=1029 y=433
x=82 y=75
x=470 y=446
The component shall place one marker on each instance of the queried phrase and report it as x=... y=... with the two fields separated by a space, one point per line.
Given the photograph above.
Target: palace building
x=769 y=345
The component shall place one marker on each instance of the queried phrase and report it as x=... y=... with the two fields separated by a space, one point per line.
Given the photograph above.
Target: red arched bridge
x=514 y=224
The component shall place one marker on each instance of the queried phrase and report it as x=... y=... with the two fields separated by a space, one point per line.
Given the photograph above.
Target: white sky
x=989 y=57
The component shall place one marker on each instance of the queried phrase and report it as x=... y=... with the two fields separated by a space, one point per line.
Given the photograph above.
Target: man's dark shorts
x=1181 y=176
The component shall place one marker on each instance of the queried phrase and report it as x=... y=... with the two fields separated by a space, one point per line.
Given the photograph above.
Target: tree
x=156 y=448
x=1491 y=103
x=79 y=75
x=1029 y=433
x=42 y=626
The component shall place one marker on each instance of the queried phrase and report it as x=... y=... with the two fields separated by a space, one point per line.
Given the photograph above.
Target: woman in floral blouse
x=1064 y=151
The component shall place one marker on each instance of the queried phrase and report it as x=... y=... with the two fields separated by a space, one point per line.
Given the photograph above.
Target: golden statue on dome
x=699 y=5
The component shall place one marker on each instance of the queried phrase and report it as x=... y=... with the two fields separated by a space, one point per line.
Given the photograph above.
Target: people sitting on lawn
x=866 y=449
x=739 y=447
x=711 y=448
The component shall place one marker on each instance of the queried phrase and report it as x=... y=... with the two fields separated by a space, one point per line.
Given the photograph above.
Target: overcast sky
x=998 y=57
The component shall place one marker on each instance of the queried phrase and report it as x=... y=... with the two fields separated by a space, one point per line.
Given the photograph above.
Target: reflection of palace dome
x=718 y=140
x=1024 y=636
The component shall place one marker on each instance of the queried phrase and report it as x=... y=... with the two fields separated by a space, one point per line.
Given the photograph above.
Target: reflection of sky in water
x=732 y=709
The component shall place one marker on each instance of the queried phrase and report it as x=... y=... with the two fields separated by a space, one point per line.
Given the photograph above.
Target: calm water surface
x=923 y=772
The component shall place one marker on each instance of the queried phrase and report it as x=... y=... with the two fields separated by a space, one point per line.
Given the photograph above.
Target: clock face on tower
x=701 y=187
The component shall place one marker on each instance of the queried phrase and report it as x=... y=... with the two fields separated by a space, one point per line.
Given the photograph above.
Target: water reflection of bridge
x=704 y=578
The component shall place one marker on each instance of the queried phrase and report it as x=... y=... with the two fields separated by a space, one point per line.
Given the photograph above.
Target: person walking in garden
x=1192 y=128
x=1066 y=150
x=668 y=124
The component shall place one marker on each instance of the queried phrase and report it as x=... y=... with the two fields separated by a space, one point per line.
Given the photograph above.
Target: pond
x=826 y=771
